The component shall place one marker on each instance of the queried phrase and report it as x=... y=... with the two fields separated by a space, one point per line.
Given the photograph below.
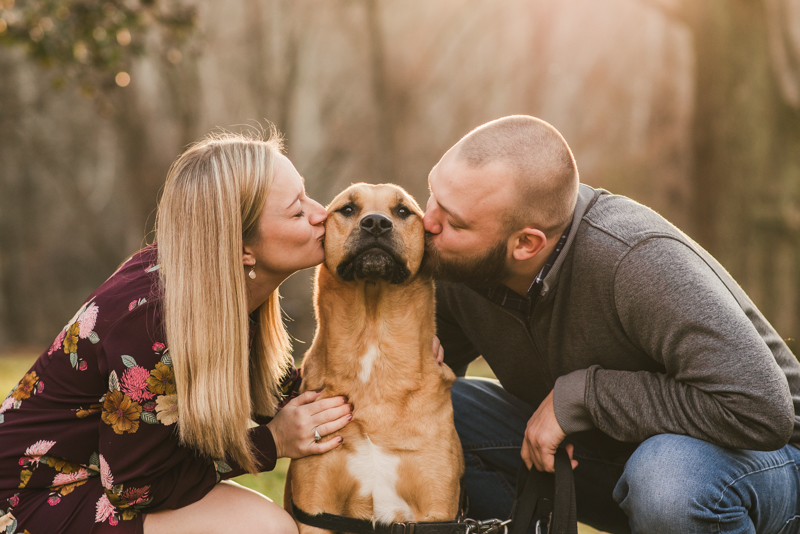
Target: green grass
x=14 y=365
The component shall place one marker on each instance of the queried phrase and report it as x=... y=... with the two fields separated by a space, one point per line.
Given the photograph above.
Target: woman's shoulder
x=121 y=317
x=130 y=292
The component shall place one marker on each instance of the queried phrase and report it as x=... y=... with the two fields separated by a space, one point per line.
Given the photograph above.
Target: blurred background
x=690 y=107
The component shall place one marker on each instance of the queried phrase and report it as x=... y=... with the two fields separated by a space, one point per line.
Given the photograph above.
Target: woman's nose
x=319 y=213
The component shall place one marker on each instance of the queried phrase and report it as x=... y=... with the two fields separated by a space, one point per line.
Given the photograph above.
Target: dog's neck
x=360 y=321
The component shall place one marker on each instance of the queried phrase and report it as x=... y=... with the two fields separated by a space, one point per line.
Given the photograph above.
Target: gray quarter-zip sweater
x=640 y=332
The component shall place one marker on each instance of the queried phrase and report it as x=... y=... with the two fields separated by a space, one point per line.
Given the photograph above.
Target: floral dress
x=88 y=438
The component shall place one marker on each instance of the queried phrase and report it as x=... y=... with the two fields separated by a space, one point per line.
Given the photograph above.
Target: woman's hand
x=438 y=351
x=294 y=424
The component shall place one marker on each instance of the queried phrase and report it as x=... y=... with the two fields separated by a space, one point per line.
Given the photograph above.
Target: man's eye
x=346 y=210
x=453 y=226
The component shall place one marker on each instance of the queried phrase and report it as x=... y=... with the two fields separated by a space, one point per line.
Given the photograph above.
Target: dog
x=401 y=458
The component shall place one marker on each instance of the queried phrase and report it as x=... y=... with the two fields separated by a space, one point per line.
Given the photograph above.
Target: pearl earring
x=252 y=273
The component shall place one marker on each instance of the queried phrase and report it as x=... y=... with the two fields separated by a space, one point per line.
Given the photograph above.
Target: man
x=613 y=332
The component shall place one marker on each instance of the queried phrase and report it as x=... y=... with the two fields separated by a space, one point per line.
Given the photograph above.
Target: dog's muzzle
x=374 y=256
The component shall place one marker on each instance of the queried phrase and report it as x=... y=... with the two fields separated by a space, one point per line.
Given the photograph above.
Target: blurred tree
x=746 y=171
x=93 y=42
x=61 y=228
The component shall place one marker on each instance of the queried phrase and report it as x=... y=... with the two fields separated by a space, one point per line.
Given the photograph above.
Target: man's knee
x=671 y=484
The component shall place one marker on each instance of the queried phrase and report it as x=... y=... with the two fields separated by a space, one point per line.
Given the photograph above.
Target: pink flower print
x=113 y=520
x=83 y=365
x=158 y=347
x=14 y=501
x=40 y=386
x=104 y=509
x=39 y=448
x=64 y=478
x=106 y=478
x=134 y=383
x=132 y=305
x=54 y=499
x=87 y=321
x=149 y=406
x=7 y=404
x=57 y=343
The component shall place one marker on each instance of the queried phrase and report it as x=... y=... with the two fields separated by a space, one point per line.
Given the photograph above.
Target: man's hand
x=542 y=438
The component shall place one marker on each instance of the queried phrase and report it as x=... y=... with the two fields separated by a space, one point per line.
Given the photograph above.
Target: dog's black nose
x=376 y=224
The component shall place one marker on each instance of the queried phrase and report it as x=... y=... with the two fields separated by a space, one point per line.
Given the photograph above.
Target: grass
x=14 y=365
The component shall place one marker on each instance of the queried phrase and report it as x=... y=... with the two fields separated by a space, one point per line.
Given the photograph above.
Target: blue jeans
x=670 y=484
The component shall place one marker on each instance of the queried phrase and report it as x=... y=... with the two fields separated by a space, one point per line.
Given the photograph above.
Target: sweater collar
x=586 y=199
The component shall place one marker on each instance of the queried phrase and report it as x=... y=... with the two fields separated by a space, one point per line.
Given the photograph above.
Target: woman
x=146 y=399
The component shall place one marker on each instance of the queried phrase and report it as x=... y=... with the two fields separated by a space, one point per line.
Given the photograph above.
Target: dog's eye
x=403 y=211
x=346 y=210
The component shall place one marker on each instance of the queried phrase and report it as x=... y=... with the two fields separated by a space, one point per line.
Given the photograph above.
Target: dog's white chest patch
x=376 y=472
x=367 y=362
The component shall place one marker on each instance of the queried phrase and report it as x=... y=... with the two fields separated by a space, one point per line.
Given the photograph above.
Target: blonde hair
x=546 y=175
x=210 y=207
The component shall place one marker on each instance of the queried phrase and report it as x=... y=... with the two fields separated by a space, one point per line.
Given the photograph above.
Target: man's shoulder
x=619 y=218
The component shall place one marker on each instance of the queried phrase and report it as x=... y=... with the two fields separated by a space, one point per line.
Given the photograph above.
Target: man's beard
x=484 y=270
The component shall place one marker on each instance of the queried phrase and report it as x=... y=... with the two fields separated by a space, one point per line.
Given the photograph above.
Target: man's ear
x=528 y=242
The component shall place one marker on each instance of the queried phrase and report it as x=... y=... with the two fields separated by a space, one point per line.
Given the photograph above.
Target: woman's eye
x=299 y=214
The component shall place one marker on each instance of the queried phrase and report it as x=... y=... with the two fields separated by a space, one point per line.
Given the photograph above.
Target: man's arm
x=722 y=383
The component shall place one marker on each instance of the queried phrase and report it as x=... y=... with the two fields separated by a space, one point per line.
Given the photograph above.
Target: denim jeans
x=670 y=484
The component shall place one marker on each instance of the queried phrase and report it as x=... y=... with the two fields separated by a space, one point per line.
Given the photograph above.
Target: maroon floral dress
x=88 y=438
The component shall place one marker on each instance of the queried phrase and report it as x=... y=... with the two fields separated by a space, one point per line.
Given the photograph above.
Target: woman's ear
x=528 y=243
x=247 y=256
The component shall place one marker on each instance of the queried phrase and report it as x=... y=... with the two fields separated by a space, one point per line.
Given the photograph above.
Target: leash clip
x=487 y=526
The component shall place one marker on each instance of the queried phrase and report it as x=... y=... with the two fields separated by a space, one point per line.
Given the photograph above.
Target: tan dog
x=401 y=458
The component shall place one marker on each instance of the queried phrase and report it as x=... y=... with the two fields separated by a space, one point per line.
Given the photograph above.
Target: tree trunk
x=746 y=158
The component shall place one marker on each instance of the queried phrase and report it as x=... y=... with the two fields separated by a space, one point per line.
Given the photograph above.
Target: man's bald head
x=541 y=162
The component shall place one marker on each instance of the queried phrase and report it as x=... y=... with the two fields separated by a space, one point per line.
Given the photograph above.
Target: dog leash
x=542 y=499
x=546 y=499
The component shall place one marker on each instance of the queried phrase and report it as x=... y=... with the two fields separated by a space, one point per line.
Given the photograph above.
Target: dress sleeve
x=143 y=466
x=722 y=383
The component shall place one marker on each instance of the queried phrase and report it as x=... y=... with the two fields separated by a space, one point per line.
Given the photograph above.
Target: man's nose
x=428 y=220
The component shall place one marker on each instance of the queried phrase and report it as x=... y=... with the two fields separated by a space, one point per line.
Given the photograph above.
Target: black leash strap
x=365 y=526
x=541 y=494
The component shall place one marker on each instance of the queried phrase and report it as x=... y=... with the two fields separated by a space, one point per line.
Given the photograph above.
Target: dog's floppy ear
x=425 y=270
